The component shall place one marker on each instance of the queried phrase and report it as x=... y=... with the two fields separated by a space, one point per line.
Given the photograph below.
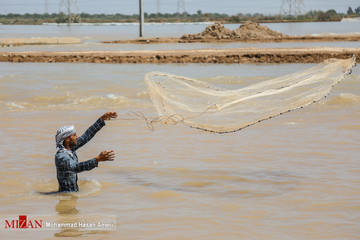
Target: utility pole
x=141 y=17
x=69 y=13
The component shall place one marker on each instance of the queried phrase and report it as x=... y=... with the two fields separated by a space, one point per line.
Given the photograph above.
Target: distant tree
x=234 y=19
x=11 y=18
x=326 y=16
x=61 y=18
x=357 y=10
x=331 y=13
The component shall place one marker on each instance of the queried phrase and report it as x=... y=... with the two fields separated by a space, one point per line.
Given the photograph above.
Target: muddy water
x=292 y=177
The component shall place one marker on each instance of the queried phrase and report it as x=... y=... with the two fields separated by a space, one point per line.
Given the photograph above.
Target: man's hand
x=109 y=115
x=106 y=156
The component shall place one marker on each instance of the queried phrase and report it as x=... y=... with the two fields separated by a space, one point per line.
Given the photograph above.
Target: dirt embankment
x=247 y=32
x=239 y=55
x=6 y=42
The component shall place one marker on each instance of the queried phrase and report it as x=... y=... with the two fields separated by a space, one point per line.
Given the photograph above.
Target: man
x=66 y=161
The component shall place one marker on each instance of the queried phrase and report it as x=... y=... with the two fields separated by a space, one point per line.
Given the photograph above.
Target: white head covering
x=62 y=133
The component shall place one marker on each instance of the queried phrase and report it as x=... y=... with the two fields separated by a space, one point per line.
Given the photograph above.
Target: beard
x=72 y=143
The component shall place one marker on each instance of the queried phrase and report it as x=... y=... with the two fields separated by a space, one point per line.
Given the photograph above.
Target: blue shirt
x=68 y=166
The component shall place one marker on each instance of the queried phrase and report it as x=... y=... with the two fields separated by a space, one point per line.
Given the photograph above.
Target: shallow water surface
x=292 y=177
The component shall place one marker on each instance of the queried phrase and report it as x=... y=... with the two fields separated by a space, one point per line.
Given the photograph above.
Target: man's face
x=73 y=140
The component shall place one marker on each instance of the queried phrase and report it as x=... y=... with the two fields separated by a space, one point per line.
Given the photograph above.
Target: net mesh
x=204 y=106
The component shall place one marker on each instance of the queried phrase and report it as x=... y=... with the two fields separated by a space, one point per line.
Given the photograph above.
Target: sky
x=231 y=7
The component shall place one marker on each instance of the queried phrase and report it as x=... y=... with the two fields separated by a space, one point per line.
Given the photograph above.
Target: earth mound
x=253 y=30
x=247 y=31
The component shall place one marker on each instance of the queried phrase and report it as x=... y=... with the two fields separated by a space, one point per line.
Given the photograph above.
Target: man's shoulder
x=61 y=155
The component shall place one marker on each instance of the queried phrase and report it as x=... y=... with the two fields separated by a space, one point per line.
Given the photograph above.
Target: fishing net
x=207 y=107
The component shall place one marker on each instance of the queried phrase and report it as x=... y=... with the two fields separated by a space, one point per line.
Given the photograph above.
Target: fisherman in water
x=66 y=160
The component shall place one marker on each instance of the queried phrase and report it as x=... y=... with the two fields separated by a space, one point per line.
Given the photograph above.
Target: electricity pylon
x=292 y=7
x=181 y=6
x=46 y=6
x=71 y=7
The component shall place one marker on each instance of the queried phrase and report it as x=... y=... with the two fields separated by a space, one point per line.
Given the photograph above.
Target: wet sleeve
x=86 y=166
x=89 y=133
x=65 y=163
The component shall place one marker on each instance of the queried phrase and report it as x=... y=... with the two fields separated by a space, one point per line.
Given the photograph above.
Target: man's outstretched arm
x=65 y=163
x=93 y=129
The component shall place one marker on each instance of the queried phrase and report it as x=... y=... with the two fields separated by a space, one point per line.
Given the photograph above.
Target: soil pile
x=253 y=30
x=217 y=30
x=247 y=31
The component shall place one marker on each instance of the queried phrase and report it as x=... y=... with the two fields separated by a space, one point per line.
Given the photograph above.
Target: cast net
x=204 y=106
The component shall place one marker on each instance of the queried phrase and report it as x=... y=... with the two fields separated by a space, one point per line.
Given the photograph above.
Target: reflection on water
x=67 y=206
x=74 y=223
x=68 y=214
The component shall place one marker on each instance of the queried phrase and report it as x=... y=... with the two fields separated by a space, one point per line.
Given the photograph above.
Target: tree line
x=199 y=16
x=350 y=11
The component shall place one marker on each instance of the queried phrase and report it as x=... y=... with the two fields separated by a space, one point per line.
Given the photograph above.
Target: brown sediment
x=248 y=32
x=238 y=55
x=38 y=41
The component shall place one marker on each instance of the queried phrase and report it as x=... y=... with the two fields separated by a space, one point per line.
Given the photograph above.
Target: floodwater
x=296 y=176
x=92 y=35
